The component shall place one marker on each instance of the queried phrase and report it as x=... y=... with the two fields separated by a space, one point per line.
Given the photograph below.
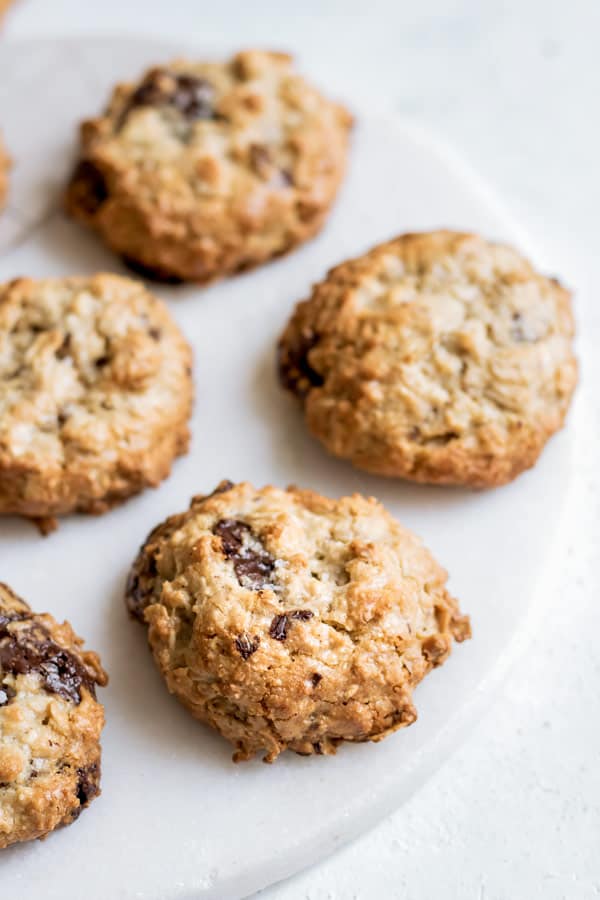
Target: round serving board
x=177 y=819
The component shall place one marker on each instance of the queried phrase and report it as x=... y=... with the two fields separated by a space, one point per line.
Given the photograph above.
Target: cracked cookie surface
x=435 y=357
x=284 y=619
x=50 y=722
x=95 y=394
x=203 y=169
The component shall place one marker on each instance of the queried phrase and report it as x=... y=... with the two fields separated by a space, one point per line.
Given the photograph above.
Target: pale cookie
x=203 y=169
x=4 y=169
x=95 y=394
x=50 y=722
x=287 y=620
x=437 y=357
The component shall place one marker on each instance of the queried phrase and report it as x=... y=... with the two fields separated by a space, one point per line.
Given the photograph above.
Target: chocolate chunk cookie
x=203 y=169
x=95 y=394
x=287 y=620
x=4 y=169
x=437 y=357
x=50 y=722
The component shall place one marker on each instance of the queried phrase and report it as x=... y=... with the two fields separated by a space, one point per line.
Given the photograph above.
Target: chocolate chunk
x=222 y=487
x=31 y=650
x=88 y=189
x=6 y=694
x=281 y=623
x=295 y=372
x=302 y=614
x=247 y=645
x=252 y=564
x=155 y=333
x=63 y=350
x=279 y=627
x=316 y=678
x=193 y=97
x=88 y=784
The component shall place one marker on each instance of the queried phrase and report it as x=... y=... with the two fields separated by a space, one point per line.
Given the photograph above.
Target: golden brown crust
x=50 y=722
x=288 y=620
x=204 y=169
x=95 y=394
x=437 y=357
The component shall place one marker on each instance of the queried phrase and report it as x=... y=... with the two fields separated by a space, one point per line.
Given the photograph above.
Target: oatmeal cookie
x=95 y=394
x=50 y=722
x=436 y=357
x=287 y=620
x=203 y=169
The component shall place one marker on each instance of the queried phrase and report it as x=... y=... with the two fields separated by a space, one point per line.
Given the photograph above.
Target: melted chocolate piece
x=281 y=623
x=193 y=97
x=295 y=372
x=252 y=564
x=88 y=189
x=87 y=786
x=247 y=645
x=32 y=650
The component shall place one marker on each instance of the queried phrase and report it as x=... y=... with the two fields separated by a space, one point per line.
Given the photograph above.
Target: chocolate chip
x=88 y=189
x=102 y=361
x=279 y=627
x=63 y=350
x=88 y=784
x=253 y=565
x=281 y=623
x=155 y=333
x=222 y=487
x=316 y=678
x=31 y=650
x=295 y=372
x=247 y=645
x=193 y=97
x=6 y=694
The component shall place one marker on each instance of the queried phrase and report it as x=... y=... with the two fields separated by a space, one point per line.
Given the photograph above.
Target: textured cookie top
x=93 y=373
x=50 y=722
x=222 y=162
x=315 y=615
x=440 y=356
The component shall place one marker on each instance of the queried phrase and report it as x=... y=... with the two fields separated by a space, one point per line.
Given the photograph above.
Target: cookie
x=285 y=620
x=50 y=722
x=4 y=169
x=95 y=394
x=203 y=169
x=438 y=357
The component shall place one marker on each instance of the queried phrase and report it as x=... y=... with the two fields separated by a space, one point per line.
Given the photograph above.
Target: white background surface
x=515 y=814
